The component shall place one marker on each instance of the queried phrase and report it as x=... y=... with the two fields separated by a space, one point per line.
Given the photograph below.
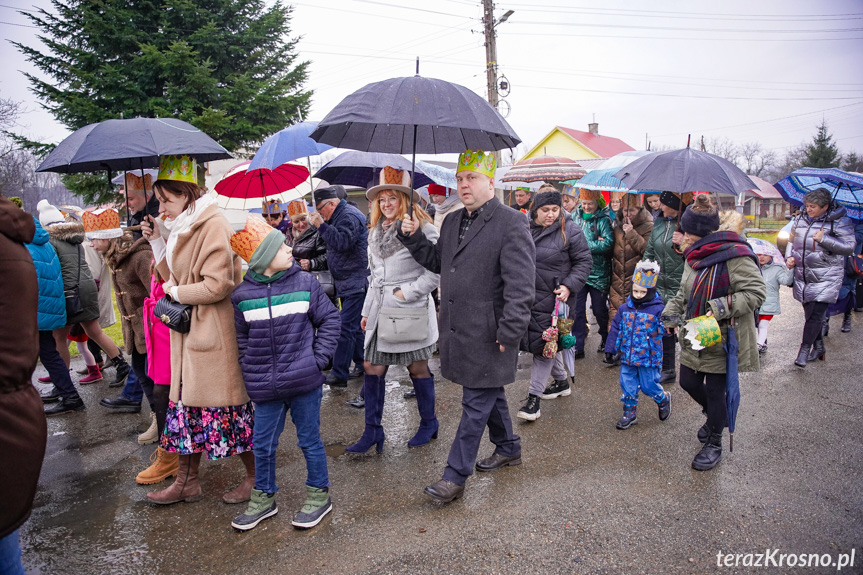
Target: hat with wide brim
x=392 y=179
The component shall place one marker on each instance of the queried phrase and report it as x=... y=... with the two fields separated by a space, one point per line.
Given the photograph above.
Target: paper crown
x=297 y=208
x=272 y=208
x=179 y=169
x=390 y=178
x=702 y=331
x=631 y=200
x=102 y=224
x=137 y=184
x=477 y=161
x=438 y=190
x=569 y=190
x=646 y=274
x=589 y=195
x=247 y=240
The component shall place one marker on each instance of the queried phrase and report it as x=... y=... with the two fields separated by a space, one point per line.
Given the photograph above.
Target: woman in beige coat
x=209 y=410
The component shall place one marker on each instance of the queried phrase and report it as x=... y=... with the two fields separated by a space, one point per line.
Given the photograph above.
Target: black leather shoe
x=710 y=454
x=496 y=461
x=357 y=372
x=579 y=354
x=51 y=395
x=121 y=404
x=65 y=405
x=444 y=491
x=334 y=381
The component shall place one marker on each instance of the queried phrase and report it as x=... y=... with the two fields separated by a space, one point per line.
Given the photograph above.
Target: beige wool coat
x=206 y=270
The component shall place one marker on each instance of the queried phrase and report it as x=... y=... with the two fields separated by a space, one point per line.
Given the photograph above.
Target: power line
x=677 y=13
x=686 y=29
x=752 y=98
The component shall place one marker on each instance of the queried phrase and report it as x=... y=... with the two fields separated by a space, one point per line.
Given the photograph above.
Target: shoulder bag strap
x=78 y=281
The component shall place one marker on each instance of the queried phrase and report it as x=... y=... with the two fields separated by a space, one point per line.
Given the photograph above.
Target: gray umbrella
x=415 y=114
x=685 y=170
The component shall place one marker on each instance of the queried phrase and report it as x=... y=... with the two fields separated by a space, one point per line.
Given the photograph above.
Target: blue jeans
x=351 y=339
x=270 y=422
x=646 y=378
x=10 y=551
x=57 y=369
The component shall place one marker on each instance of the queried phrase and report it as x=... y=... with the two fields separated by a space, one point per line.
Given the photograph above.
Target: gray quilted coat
x=820 y=266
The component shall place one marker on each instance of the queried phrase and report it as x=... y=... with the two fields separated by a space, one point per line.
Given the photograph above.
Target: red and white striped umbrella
x=545 y=168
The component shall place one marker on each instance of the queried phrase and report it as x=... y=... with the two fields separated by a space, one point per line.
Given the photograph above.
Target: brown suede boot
x=185 y=487
x=165 y=464
x=243 y=492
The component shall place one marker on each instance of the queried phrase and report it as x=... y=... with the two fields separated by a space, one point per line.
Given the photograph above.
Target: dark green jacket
x=659 y=249
x=600 y=240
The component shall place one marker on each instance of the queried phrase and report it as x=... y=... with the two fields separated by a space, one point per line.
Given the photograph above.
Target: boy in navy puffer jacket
x=636 y=334
x=287 y=331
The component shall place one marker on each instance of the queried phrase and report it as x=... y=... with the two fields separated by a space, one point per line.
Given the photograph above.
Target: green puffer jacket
x=600 y=240
x=748 y=292
x=659 y=249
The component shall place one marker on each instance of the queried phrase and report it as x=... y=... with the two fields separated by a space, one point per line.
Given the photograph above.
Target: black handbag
x=175 y=315
x=325 y=278
x=73 y=296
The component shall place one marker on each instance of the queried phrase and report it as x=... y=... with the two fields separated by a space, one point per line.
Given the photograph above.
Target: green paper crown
x=477 y=161
x=179 y=169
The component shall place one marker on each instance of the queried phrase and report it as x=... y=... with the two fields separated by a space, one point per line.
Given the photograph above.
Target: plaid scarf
x=709 y=256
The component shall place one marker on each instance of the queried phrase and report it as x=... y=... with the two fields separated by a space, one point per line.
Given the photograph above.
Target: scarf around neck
x=708 y=257
x=183 y=223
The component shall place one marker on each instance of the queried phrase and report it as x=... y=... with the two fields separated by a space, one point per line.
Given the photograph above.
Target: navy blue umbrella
x=685 y=170
x=732 y=382
x=360 y=168
x=126 y=145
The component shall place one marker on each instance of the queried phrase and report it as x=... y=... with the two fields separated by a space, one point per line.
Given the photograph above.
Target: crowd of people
x=223 y=355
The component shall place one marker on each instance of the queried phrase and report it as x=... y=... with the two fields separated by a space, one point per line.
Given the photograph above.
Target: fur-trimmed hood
x=124 y=246
x=70 y=232
x=731 y=221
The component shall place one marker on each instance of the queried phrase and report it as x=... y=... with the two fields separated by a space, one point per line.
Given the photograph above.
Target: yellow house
x=578 y=145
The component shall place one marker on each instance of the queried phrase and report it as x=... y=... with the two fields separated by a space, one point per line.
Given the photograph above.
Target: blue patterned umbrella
x=845 y=187
x=602 y=181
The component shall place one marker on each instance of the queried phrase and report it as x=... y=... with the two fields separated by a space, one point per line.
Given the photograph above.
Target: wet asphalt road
x=588 y=498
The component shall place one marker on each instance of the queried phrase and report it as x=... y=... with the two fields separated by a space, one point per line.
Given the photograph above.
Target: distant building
x=578 y=145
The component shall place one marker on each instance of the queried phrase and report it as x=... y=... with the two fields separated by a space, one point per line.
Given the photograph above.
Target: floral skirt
x=217 y=431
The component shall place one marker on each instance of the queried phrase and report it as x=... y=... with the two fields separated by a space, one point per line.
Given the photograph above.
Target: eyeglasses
x=388 y=200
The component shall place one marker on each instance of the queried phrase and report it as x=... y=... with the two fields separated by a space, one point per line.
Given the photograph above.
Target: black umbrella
x=415 y=114
x=126 y=145
x=359 y=168
x=685 y=170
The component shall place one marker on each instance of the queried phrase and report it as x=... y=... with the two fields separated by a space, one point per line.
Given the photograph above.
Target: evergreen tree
x=228 y=67
x=822 y=152
x=852 y=163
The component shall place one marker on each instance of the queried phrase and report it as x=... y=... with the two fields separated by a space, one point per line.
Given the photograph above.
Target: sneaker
x=665 y=407
x=317 y=505
x=357 y=372
x=530 y=410
x=628 y=419
x=558 y=388
x=601 y=348
x=261 y=506
x=410 y=394
x=762 y=349
x=357 y=402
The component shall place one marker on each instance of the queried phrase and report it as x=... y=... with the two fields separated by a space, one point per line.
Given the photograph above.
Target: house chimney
x=593 y=128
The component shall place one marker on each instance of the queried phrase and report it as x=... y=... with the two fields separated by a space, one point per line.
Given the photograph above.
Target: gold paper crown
x=247 y=240
x=585 y=194
x=137 y=184
x=646 y=274
x=102 y=224
x=297 y=208
x=179 y=169
x=272 y=207
x=569 y=190
x=477 y=161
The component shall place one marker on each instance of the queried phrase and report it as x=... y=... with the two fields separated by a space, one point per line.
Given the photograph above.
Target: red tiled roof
x=603 y=146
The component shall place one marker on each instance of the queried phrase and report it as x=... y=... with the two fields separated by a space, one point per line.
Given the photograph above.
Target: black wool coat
x=570 y=263
x=487 y=289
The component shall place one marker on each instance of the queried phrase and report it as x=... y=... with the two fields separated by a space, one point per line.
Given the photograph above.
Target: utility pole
x=490 y=51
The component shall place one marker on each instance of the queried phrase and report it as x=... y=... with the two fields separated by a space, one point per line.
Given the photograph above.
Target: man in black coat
x=485 y=257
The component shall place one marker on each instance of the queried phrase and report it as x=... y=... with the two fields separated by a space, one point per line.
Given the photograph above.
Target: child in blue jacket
x=287 y=331
x=636 y=334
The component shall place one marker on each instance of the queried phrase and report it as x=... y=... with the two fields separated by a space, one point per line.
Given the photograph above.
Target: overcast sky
x=765 y=71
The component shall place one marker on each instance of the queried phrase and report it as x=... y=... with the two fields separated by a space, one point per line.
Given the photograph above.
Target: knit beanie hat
x=257 y=243
x=551 y=197
x=48 y=214
x=675 y=201
x=701 y=219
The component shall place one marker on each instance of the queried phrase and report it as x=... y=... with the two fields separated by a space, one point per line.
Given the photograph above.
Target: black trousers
x=480 y=408
x=814 y=312
x=708 y=390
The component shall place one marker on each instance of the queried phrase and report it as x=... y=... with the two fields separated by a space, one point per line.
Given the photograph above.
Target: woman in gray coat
x=821 y=237
x=397 y=285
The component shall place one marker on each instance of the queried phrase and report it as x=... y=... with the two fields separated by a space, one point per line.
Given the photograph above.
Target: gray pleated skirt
x=372 y=355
